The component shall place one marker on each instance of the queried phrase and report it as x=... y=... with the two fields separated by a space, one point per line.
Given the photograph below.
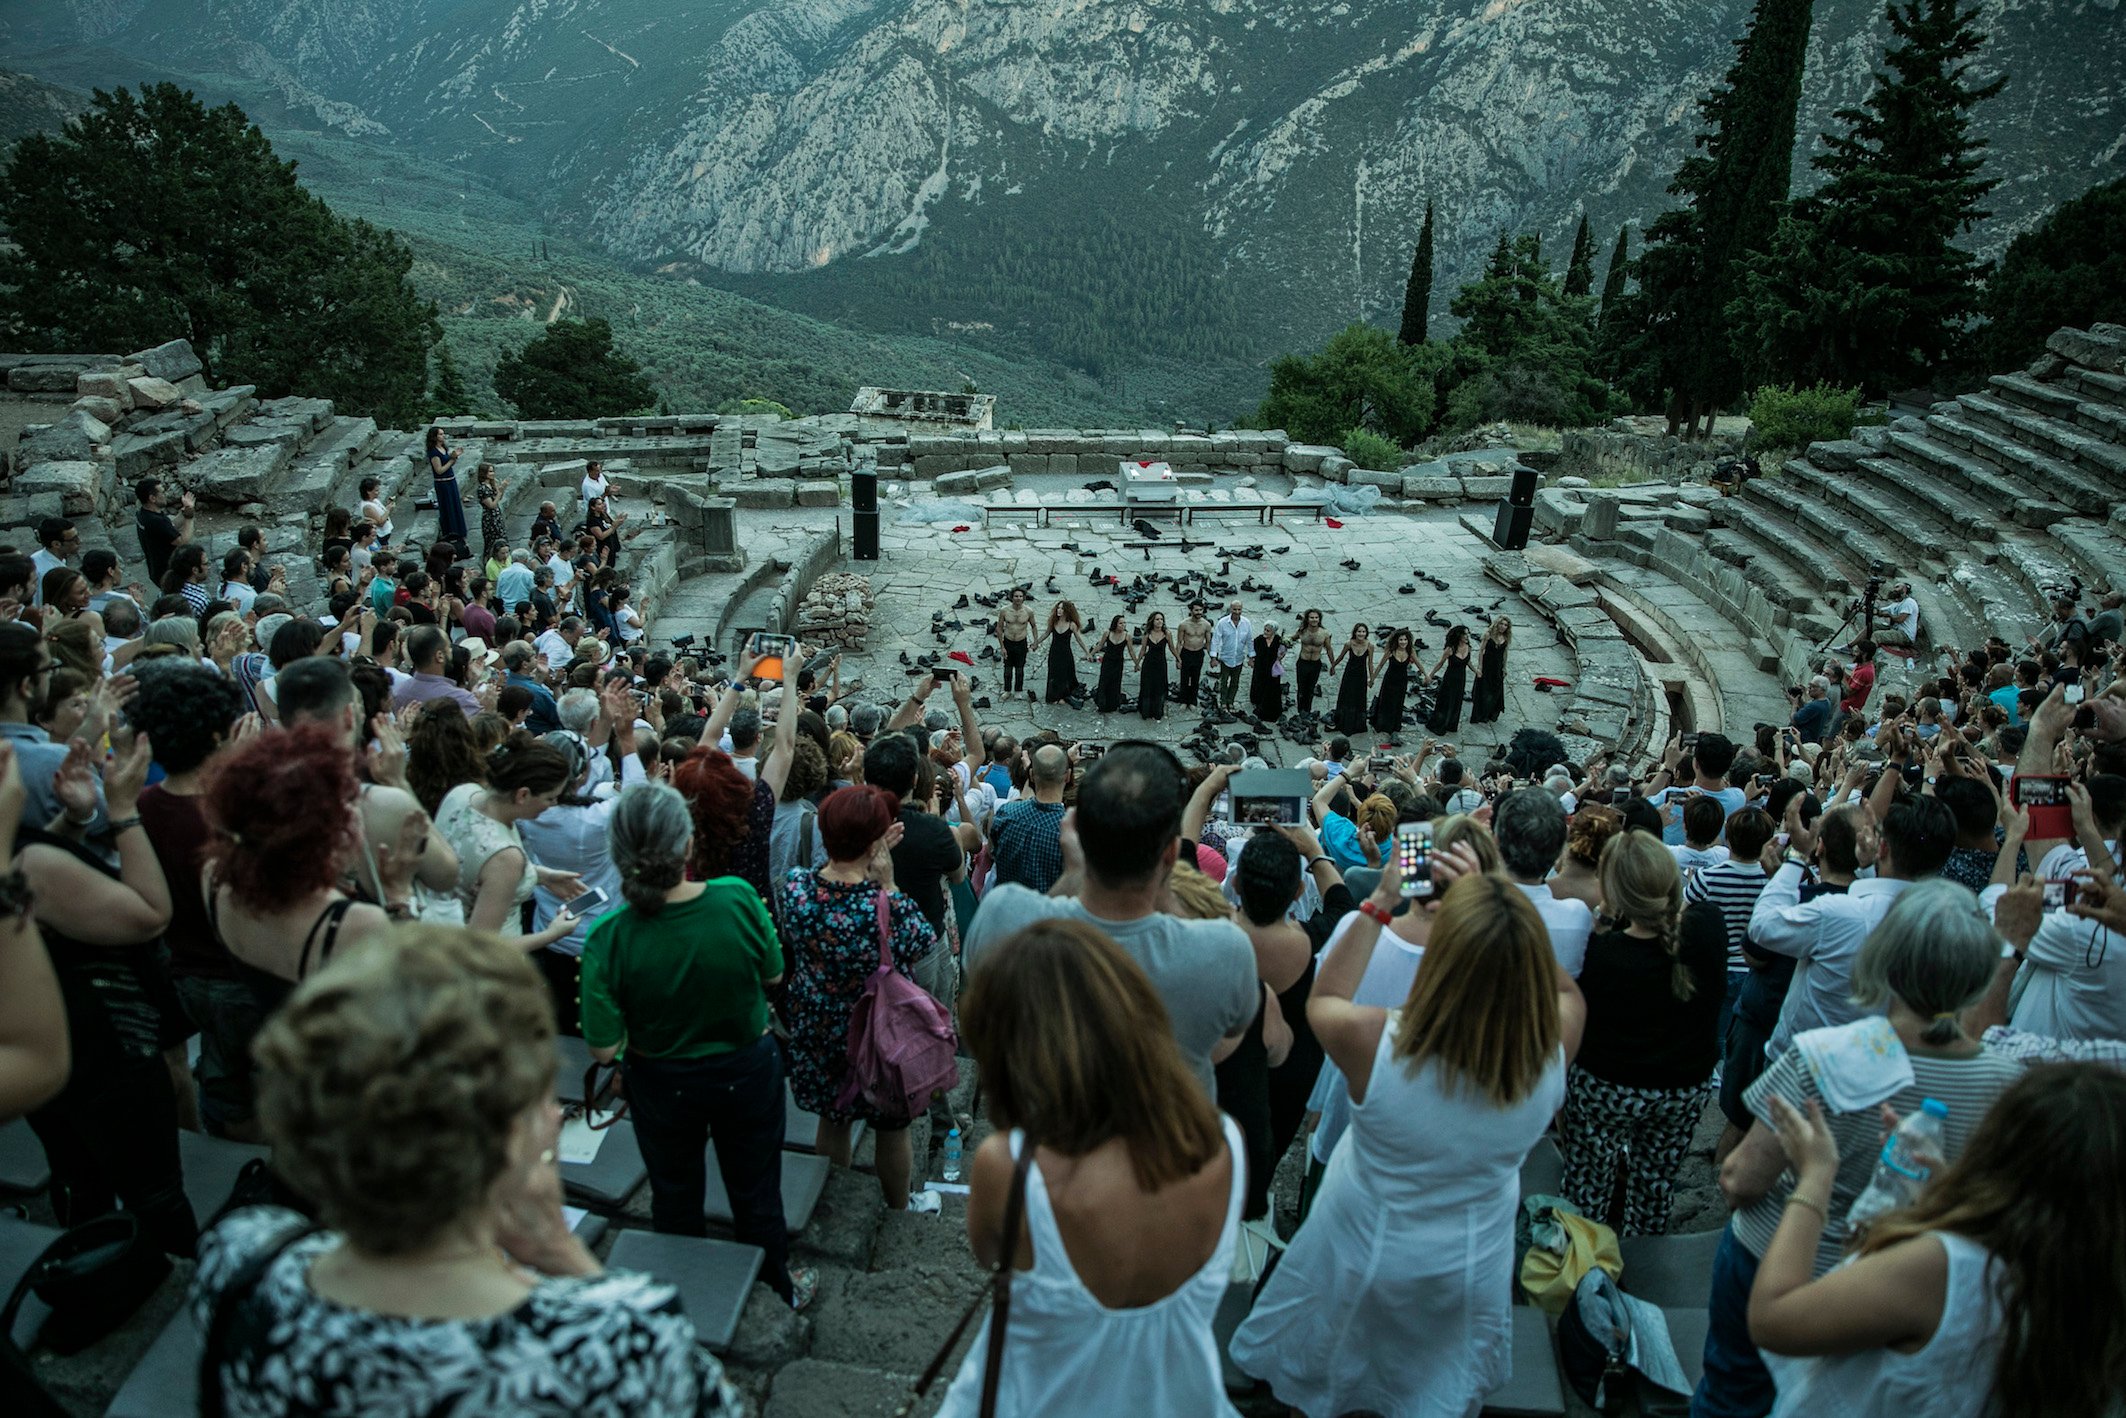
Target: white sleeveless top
x=1950 y=1376
x=1066 y=1353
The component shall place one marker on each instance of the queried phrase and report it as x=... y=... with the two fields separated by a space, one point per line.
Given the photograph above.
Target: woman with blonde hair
x=78 y=645
x=1132 y=1186
x=1066 y=641
x=1654 y=977
x=1393 y=1296
x=407 y=1090
x=845 y=760
x=1488 y=698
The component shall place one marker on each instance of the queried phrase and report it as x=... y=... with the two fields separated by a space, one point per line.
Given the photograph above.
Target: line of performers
x=1374 y=690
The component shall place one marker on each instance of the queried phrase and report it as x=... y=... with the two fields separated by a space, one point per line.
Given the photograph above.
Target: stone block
x=775 y=458
x=74 y=438
x=138 y=454
x=986 y=479
x=150 y=392
x=889 y=1319
x=104 y=384
x=1065 y=464
x=1306 y=457
x=956 y=484
x=1839 y=455
x=98 y=407
x=764 y=492
x=263 y=435
x=934 y=465
x=813 y=1388
x=1336 y=467
x=567 y=473
x=47 y=377
x=2091 y=349
x=1373 y=477
x=1600 y=523
x=230 y=476
x=1480 y=488
x=173 y=360
x=821 y=492
x=1432 y=487
x=75 y=484
x=1027 y=464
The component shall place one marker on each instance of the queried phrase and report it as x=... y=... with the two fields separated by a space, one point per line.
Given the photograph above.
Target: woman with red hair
x=734 y=811
x=283 y=831
x=831 y=946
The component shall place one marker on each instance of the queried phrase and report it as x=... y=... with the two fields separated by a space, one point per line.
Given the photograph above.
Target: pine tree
x=1417 y=293
x=1579 y=271
x=1733 y=190
x=449 y=397
x=571 y=370
x=2070 y=269
x=1619 y=273
x=1862 y=287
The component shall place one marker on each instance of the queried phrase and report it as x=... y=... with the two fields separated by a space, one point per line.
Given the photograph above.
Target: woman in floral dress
x=830 y=932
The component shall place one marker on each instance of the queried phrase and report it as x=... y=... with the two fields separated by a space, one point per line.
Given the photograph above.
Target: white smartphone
x=1413 y=858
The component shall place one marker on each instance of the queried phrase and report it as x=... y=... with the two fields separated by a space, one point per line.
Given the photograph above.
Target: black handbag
x=997 y=1283
x=93 y=1277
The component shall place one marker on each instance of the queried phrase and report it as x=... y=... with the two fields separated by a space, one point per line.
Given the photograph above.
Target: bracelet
x=121 y=824
x=1372 y=912
x=1811 y=1203
x=1316 y=861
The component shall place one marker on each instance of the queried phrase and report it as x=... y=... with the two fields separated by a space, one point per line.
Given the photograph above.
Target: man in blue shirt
x=1812 y=716
x=519 y=661
x=1028 y=844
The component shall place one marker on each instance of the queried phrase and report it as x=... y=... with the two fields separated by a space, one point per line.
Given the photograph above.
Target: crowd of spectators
x=331 y=878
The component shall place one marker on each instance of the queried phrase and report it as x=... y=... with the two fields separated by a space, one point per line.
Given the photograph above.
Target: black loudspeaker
x=1511 y=529
x=863 y=490
x=867 y=536
x=1524 y=480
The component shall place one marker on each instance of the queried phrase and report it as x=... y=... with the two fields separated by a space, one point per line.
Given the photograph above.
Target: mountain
x=1106 y=182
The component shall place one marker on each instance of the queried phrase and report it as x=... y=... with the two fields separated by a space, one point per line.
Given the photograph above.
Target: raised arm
x=970 y=731
x=911 y=710
x=1199 y=803
x=726 y=704
x=776 y=770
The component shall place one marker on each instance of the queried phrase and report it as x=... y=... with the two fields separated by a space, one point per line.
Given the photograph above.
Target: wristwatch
x=1794 y=858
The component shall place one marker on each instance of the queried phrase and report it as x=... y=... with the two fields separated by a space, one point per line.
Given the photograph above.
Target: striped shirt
x=1967 y=1086
x=1733 y=887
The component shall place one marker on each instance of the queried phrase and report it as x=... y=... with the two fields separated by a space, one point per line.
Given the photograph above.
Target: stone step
x=2046 y=433
x=1812 y=579
x=346 y=441
x=2063 y=402
x=2037 y=478
x=1973 y=601
x=1896 y=523
x=1840 y=542
x=2038 y=567
x=1947 y=503
x=2095 y=387
x=2092 y=546
x=1781 y=583
x=2101 y=346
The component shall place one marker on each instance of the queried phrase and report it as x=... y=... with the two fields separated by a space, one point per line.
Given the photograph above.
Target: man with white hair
x=837 y=718
x=1813 y=714
x=1558 y=783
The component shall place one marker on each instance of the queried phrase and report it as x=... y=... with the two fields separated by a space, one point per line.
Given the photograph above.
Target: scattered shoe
x=961 y=603
x=1297 y=575
x=1349 y=563
x=982 y=702
x=1406 y=590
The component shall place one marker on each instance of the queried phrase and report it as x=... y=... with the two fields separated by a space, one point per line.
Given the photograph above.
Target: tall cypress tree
x=1862 y=287
x=1619 y=273
x=1579 y=271
x=1417 y=294
x=1733 y=189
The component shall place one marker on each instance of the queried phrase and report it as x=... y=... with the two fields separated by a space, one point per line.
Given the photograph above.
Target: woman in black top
x=1450 y=682
x=1653 y=980
x=1266 y=689
x=1152 y=672
x=450 y=503
x=1489 y=699
x=1395 y=669
x=1114 y=648
x=1357 y=658
x=1066 y=628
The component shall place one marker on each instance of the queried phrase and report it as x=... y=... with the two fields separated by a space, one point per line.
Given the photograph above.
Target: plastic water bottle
x=1908 y=1158
x=952 y=1155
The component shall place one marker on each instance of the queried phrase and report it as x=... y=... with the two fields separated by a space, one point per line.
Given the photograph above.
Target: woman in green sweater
x=677 y=978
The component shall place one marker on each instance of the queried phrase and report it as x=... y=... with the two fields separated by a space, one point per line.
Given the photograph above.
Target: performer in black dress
x=1266 y=689
x=1395 y=667
x=1357 y=659
x=1489 y=699
x=1448 y=688
x=1066 y=638
x=1114 y=648
x=1152 y=668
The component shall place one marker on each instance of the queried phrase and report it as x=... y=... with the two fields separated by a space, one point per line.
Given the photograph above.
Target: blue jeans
x=677 y=1104
x=1736 y=1383
x=227 y=1014
x=1736 y=979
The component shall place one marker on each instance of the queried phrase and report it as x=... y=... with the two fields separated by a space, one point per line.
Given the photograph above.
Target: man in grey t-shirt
x=1114 y=878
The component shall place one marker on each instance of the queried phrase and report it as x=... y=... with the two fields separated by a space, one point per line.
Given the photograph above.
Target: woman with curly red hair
x=284 y=830
x=734 y=818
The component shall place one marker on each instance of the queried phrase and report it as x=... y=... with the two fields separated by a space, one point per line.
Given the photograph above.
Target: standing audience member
x=1115 y=879
x=678 y=976
x=842 y=920
x=1133 y=1187
x=1732 y=887
x=1931 y=958
x=1653 y=983
x=407 y=1090
x=1028 y=845
x=35 y=1050
x=1393 y=1297
x=1998 y=1291
x=496 y=876
x=110 y=1135
x=1530 y=826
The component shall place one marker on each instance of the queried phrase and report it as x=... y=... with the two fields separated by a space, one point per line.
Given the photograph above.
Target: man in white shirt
x=743 y=734
x=2072 y=980
x=1899 y=618
x=1530 y=826
x=1232 y=640
x=59 y=542
x=1825 y=934
x=558 y=645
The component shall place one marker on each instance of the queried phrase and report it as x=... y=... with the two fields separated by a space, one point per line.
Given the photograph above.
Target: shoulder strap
x=239 y=1288
x=805 y=822
x=885 y=927
x=325 y=933
x=999 y=1282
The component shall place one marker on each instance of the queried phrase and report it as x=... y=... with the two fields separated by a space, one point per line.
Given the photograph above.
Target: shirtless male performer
x=1191 y=638
x=1014 y=632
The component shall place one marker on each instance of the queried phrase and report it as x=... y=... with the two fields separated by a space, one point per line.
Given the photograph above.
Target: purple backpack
x=901 y=1041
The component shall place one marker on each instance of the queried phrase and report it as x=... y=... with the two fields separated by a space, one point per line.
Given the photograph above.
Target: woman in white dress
x=1132 y=1198
x=1393 y=1297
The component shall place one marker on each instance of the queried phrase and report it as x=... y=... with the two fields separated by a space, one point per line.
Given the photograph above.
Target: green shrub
x=1782 y=416
x=1370 y=450
x=760 y=407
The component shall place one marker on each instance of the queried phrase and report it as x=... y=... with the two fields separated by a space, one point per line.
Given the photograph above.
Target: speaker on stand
x=1516 y=514
x=863 y=497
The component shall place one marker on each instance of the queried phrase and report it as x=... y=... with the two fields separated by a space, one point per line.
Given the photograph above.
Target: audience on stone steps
x=1827 y=833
